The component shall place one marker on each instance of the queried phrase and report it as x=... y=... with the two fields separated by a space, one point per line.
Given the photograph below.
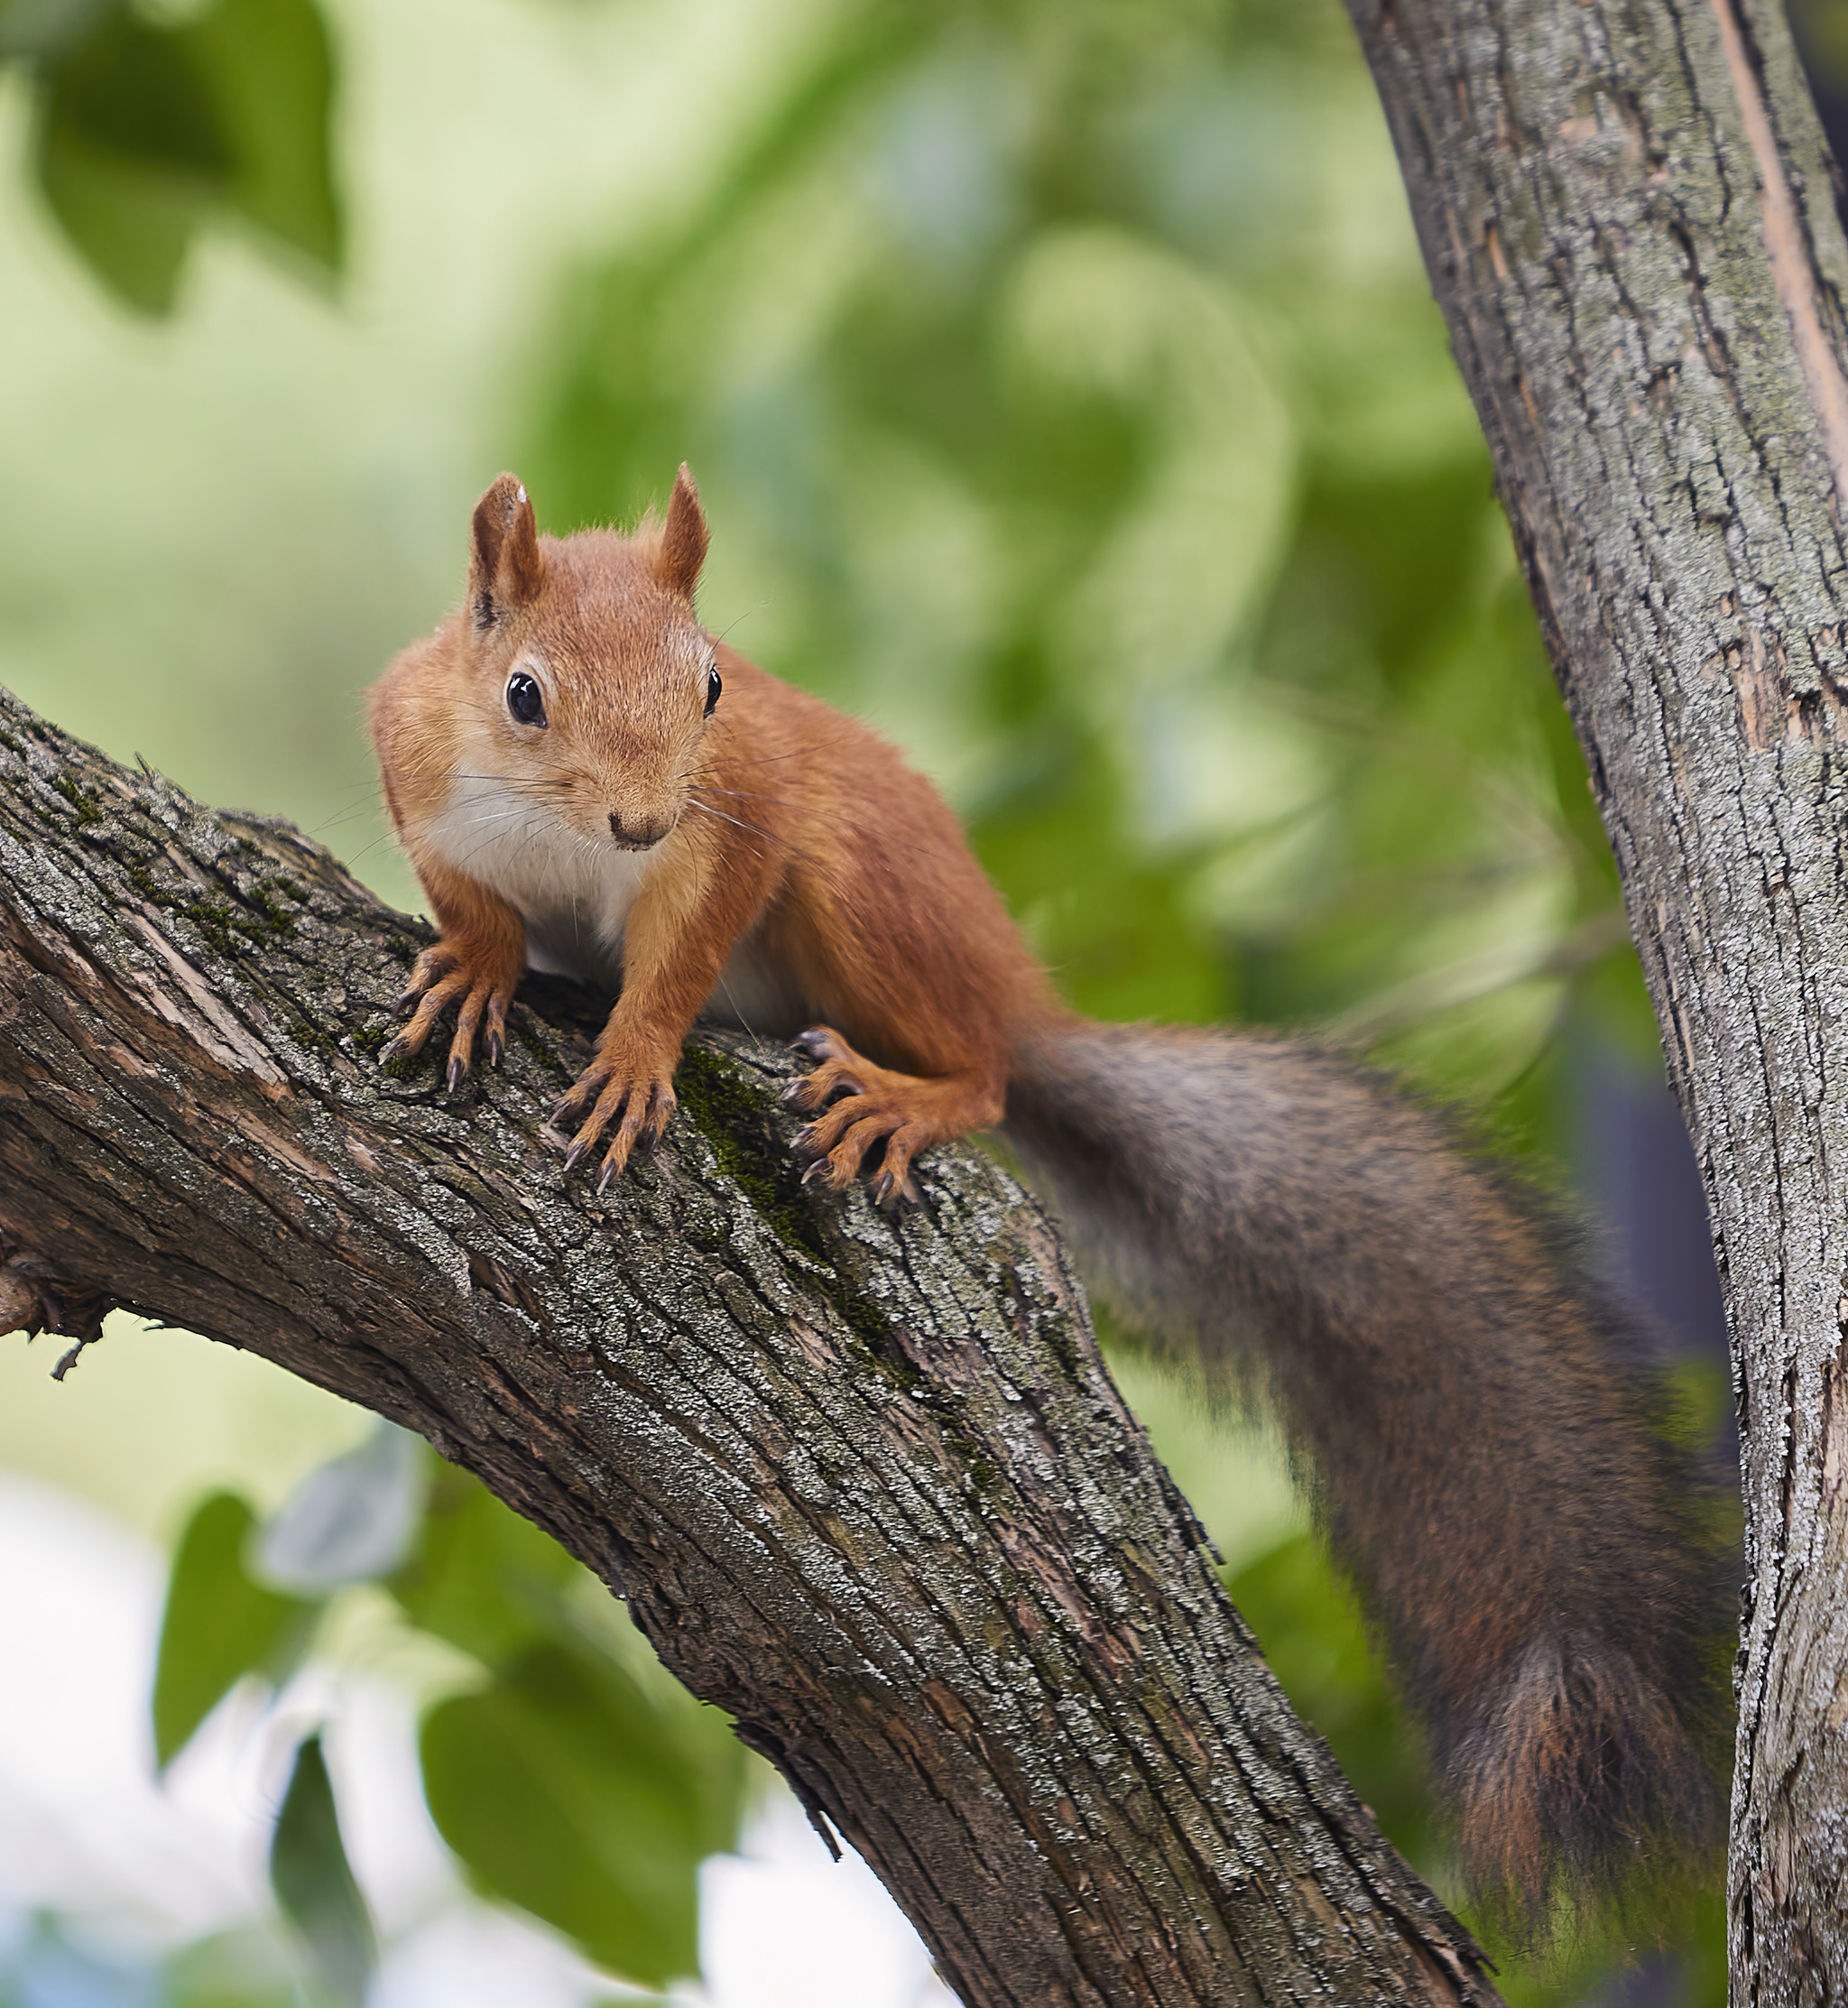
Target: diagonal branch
x=867 y=1486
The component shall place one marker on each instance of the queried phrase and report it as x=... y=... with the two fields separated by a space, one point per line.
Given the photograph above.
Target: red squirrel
x=587 y=783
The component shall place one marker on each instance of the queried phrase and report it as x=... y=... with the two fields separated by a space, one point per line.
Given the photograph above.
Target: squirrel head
x=586 y=675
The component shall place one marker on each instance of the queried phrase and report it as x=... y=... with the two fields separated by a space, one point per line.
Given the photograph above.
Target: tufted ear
x=683 y=539
x=505 y=569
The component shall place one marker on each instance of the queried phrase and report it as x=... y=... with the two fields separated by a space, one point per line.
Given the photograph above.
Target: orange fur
x=572 y=796
x=776 y=820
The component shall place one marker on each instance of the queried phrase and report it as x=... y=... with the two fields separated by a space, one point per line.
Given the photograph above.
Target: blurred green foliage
x=148 y=132
x=218 y=1625
x=1067 y=396
x=571 y=1776
x=558 y=1789
x=313 y=1884
x=1317 y=1647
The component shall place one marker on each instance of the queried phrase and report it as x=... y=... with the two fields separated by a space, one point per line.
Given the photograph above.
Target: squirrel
x=587 y=784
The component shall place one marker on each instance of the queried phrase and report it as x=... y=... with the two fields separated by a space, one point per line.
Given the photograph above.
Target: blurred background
x=1066 y=397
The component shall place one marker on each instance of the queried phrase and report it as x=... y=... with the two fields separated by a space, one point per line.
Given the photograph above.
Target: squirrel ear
x=684 y=539
x=505 y=569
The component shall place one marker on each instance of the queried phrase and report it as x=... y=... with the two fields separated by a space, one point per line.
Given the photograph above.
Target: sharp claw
x=809 y=1043
x=497 y=1046
x=404 y=1006
x=575 y=1153
x=397 y=1049
x=609 y=1171
x=818 y=1169
x=793 y=1092
x=882 y=1188
x=457 y=1073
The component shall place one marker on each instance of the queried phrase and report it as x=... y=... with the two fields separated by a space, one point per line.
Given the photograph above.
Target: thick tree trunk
x=1625 y=206
x=866 y=1486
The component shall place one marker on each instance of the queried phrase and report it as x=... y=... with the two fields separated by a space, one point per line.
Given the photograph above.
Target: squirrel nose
x=636 y=837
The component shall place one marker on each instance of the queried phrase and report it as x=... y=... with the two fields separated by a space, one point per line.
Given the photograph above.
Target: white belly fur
x=574 y=898
x=573 y=895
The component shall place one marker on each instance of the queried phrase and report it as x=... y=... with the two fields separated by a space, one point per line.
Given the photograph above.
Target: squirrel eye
x=715 y=683
x=525 y=700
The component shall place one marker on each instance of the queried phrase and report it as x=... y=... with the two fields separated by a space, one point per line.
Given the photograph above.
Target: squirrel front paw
x=483 y=979
x=630 y=1083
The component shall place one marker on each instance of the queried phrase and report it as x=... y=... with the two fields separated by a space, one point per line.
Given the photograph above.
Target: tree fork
x=1625 y=207
x=865 y=1484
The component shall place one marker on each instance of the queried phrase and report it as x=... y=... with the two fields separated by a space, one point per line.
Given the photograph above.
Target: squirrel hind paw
x=897 y=1192
x=830 y=1081
x=880 y=1119
x=822 y=1042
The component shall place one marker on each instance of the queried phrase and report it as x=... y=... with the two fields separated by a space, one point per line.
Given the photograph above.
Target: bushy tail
x=1470 y=1405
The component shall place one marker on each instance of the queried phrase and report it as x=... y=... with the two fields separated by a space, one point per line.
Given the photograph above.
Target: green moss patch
x=85 y=805
x=734 y=1118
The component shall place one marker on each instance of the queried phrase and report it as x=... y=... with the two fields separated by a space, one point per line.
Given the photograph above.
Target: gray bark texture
x=865 y=1484
x=1625 y=206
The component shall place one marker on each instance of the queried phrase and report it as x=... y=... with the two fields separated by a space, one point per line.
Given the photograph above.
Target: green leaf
x=218 y=1625
x=246 y=1967
x=314 y=1884
x=131 y=154
x=270 y=65
x=41 y=29
x=351 y=1520
x=136 y=92
x=566 y=1792
x=131 y=229
x=482 y=1578
x=146 y=134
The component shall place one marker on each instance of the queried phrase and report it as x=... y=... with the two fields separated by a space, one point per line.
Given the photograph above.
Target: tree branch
x=866 y=1485
x=1625 y=209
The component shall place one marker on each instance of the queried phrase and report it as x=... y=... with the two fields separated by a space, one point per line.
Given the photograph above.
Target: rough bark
x=866 y=1485
x=1625 y=207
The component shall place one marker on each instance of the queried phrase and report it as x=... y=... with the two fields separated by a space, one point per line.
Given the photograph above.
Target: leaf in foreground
x=314 y=1883
x=565 y=1791
x=218 y=1625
